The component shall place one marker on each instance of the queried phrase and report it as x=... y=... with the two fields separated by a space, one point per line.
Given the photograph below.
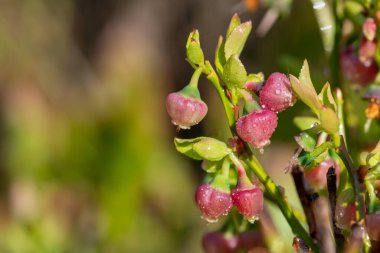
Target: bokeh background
x=87 y=162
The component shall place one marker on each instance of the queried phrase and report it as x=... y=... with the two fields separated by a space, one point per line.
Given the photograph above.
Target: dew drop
x=263 y=106
x=261 y=150
x=253 y=219
x=278 y=92
x=209 y=220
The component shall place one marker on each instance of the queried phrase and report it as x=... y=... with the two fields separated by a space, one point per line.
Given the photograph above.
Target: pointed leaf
x=329 y=120
x=193 y=36
x=235 y=21
x=220 y=59
x=306 y=141
x=236 y=40
x=234 y=73
x=326 y=97
x=306 y=93
x=304 y=75
x=185 y=146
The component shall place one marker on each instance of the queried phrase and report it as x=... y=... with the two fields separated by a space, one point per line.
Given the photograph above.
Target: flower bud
x=257 y=127
x=277 y=94
x=212 y=202
x=217 y=242
x=355 y=71
x=185 y=111
x=317 y=176
x=248 y=201
x=345 y=215
x=369 y=29
x=373 y=226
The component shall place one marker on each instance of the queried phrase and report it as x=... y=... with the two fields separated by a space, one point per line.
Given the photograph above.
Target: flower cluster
x=321 y=167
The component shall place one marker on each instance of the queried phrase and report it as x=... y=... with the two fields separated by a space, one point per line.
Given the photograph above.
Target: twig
x=331 y=187
x=273 y=190
x=359 y=202
x=299 y=181
x=322 y=214
x=355 y=243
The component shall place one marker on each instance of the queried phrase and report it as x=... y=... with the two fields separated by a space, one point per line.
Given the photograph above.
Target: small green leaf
x=373 y=158
x=236 y=40
x=234 y=73
x=185 y=146
x=329 y=120
x=327 y=98
x=306 y=93
x=193 y=49
x=304 y=75
x=306 y=141
x=256 y=78
x=308 y=161
x=195 y=54
x=220 y=59
x=211 y=149
x=235 y=21
x=304 y=123
x=193 y=36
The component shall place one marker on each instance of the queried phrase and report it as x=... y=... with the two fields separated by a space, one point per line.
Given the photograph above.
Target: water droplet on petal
x=210 y=220
x=253 y=219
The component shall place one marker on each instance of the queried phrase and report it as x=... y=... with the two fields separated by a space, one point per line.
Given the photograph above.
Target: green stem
x=228 y=107
x=347 y=160
x=195 y=77
x=371 y=195
x=274 y=193
x=340 y=101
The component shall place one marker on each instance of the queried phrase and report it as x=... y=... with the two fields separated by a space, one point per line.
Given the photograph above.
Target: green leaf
x=193 y=36
x=235 y=21
x=329 y=120
x=185 y=146
x=304 y=123
x=306 y=93
x=220 y=59
x=211 y=149
x=195 y=54
x=373 y=158
x=255 y=78
x=236 y=40
x=309 y=161
x=304 y=75
x=306 y=141
x=234 y=73
x=194 y=51
x=327 y=98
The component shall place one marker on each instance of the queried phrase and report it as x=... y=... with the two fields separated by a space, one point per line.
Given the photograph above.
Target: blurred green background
x=87 y=159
